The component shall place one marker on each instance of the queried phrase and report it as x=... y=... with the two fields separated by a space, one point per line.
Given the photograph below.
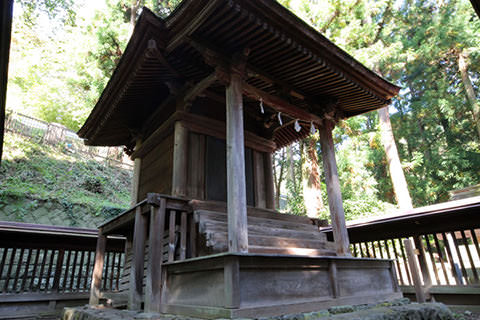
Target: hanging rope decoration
x=262 y=110
x=297 y=126
x=313 y=130
x=279 y=116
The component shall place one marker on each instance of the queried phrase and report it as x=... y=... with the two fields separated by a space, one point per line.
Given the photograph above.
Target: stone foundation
x=399 y=309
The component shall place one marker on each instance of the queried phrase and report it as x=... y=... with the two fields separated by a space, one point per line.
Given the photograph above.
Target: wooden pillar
x=137 y=164
x=98 y=269
x=135 y=291
x=269 y=185
x=236 y=185
x=154 y=266
x=340 y=234
x=259 y=180
x=180 y=160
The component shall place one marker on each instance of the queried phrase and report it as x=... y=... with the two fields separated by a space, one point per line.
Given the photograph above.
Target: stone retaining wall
x=396 y=310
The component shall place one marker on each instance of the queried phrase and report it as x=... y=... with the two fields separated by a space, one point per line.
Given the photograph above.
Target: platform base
x=259 y=285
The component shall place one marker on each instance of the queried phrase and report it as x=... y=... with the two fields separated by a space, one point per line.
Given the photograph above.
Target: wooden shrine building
x=201 y=100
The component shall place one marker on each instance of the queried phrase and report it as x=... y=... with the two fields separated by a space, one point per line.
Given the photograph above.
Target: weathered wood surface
x=155 y=257
x=269 y=185
x=265 y=235
x=98 y=268
x=412 y=262
x=340 y=234
x=137 y=268
x=196 y=166
x=259 y=177
x=273 y=285
x=180 y=160
x=236 y=185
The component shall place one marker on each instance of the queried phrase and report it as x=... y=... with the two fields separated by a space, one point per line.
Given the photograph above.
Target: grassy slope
x=38 y=171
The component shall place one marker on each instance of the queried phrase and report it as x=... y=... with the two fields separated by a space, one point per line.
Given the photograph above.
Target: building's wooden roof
x=476 y=6
x=288 y=60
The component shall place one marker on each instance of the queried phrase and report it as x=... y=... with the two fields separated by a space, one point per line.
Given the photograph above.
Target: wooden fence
x=57 y=134
x=446 y=239
x=52 y=264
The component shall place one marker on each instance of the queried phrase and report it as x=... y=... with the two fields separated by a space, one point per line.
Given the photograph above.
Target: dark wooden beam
x=279 y=104
x=6 y=12
x=153 y=51
x=201 y=86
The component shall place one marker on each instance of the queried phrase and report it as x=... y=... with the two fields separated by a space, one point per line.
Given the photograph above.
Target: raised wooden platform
x=256 y=285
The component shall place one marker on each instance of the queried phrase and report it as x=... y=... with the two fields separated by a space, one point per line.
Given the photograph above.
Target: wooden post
x=154 y=268
x=137 y=164
x=236 y=185
x=98 y=269
x=180 y=160
x=135 y=291
x=422 y=261
x=339 y=228
x=259 y=180
x=269 y=188
x=414 y=270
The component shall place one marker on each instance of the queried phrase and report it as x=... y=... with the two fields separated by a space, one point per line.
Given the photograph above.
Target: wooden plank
x=180 y=156
x=419 y=291
x=34 y=271
x=25 y=271
x=98 y=269
x=67 y=271
x=135 y=292
x=427 y=281
x=87 y=270
x=470 y=257
x=269 y=184
x=80 y=270
x=192 y=236
x=340 y=234
x=236 y=184
x=183 y=236
x=196 y=166
x=457 y=275
x=231 y=276
x=42 y=268
x=49 y=272
x=153 y=286
x=171 y=236
x=73 y=271
x=333 y=276
x=259 y=180
x=58 y=270
x=17 y=273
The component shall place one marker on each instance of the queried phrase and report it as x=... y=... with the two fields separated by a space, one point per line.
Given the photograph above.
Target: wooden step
x=219 y=206
x=216 y=238
x=222 y=217
x=291 y=251
x=216 y=226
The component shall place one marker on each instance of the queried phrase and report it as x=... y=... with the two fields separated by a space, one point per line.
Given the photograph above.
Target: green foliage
x=37 y=171
x=416 y=45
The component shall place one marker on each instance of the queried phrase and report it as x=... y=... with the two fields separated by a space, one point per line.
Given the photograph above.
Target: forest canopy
x=64 y=51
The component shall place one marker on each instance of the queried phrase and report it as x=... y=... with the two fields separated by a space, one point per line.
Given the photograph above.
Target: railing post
x=98 y=268
x=137 y=269
x=58 y=270
x=420 y=294
x=154 y=267
x=422 y=261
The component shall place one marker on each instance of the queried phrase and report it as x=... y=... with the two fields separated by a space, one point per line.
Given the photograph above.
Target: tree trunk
x=399 y=183
x=467 y=83
x=312 y=190
x=291 y=168
x=278 y=176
